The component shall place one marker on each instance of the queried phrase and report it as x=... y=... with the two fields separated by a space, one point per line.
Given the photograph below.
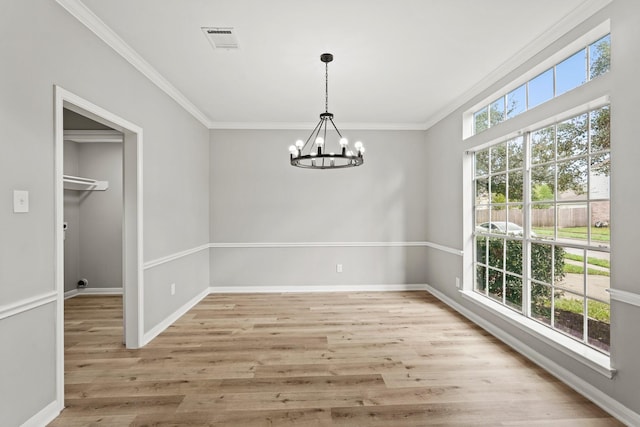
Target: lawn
x=597 y=310
x=598 y=234
x=578 y=269
x=590 y=260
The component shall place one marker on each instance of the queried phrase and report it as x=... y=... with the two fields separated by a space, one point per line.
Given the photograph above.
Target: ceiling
x=398 y=63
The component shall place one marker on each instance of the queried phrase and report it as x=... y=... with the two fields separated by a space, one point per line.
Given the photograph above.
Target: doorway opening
x=130 y=240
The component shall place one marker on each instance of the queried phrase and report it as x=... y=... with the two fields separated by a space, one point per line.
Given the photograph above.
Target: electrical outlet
x=173 y=289
x=338 y=268
x=20 y=201
x=458 y=282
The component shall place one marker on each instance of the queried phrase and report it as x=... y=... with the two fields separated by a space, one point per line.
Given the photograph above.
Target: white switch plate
x=338 y=268
x=20 y=201
x=173 y=289
x=458 y=282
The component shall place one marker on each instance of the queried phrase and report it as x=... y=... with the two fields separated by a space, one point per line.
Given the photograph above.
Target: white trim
x=625 y=296
x=173 y=317
x=589 y=357
x=27 y=304
x=309 y=126
x=82 y=136
x=92 y=291
x=592 y=393
x=89 y=19
x=254 y=245
x=45 y=416
x=175 y=256
x=315 y=288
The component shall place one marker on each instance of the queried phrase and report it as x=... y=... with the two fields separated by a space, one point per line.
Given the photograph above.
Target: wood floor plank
x=347 y=359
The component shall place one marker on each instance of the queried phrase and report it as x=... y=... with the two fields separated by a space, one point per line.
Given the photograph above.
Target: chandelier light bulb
x=299 y=144
x=344 y=142
x=293 y=149
x=319 y=140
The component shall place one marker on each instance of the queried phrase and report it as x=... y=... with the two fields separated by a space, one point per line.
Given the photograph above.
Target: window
x=542 y=225
x=588 y=63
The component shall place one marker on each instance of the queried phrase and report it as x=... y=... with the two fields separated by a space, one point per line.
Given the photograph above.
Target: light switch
x=20 y=201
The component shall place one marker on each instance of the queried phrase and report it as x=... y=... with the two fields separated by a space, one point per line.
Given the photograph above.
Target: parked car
x=501 y=228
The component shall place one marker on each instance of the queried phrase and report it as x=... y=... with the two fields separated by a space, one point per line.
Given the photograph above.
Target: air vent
x=221 y=37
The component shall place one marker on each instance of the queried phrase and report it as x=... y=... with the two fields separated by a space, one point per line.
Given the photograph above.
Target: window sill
x=589 y=357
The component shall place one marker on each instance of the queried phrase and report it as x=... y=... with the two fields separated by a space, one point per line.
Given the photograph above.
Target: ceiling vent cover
x=221 y=37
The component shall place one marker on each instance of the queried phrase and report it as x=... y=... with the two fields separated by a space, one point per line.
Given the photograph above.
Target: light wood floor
x=346 y=359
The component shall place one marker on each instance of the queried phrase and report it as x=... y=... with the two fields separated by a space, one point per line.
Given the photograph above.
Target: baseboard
x=92 y=291
x=314 y=288
x=45 y=416
x=168 y=321
x=592 y=393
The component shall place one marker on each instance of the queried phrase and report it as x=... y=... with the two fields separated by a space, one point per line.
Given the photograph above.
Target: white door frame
x=132 y=242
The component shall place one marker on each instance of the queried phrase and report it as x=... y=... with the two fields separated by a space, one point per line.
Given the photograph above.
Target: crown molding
x=90 y=20
x=559 y=29
x=83 y=14
x=309 y=126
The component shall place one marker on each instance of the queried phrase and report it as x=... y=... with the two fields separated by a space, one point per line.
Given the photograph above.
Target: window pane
x=496 y=252
x=600 y=56
x=513 y=261
x=600 y=230
x=481 y=249
x=499 y=188
x=569 y=314
x=516 y=101
x=481 y=279
x=496 y=112
x=543 y=220
x=571 y=72
x=599 y=324
x=482 y=162
x=542 y=145
x=513 y=292
x=543 y=183
x=598 y=275
x=498 y=221
x=600 y=139
x=541 y=262
x=515 y=187
x=498 y=157
x=541 y=88
x=572 y=223
x=482 y=191
x=572 y=180
x=482 y=219
x=541 y=303
x=495 y=284
x=570 y=269
x=599 y=179
x=515 y=220
x=572 y=137
x=480 y=120
x=515 y=148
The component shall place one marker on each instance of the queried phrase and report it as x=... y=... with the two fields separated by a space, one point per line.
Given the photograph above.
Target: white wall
x=41 y=46
x=257 y=197
x=444 y=221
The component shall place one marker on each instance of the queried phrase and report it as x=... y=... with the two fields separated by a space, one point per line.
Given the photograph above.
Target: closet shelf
x=83 y=184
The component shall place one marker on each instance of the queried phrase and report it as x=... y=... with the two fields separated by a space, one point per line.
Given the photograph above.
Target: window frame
x=589 y=96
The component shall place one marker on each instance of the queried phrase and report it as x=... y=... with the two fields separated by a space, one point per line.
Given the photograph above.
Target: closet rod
x=84 y=183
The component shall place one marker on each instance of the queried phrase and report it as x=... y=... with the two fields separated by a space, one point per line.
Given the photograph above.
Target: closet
x=93 y=206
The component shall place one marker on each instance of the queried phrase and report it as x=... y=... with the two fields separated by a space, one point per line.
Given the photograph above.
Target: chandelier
x=316 y=152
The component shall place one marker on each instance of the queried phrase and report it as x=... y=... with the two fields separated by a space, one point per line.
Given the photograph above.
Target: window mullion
x=526 y=223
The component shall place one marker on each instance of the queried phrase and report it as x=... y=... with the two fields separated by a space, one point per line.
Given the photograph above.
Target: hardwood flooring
x=323 y=359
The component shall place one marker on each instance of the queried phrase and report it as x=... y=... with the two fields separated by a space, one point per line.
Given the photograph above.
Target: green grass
x=578 y=269
x=597 y=310
x=590 y=260
x=598 y=234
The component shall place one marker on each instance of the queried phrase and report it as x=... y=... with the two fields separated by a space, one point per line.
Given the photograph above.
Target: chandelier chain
x=326 y=87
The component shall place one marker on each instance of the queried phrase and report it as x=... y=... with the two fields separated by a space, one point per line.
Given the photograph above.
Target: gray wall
x=444 y=220
x=57 y=49
x=257 y=197
x=93 y=243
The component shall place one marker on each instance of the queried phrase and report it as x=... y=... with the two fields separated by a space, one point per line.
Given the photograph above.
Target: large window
x=542 y=225
x=580 y=67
